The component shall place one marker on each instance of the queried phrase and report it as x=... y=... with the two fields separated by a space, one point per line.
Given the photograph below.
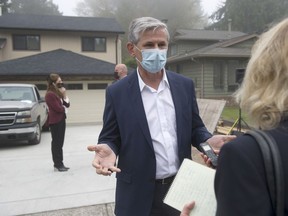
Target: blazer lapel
x=176 y=97
x=134 y=95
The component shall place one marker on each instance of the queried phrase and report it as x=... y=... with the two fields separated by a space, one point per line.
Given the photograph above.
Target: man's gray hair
x=142 y=24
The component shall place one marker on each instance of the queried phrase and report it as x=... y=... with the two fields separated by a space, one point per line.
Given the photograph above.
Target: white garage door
x=86 y=105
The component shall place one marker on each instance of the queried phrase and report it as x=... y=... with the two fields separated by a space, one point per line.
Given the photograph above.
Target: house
x=211 y=59
x=83 y=50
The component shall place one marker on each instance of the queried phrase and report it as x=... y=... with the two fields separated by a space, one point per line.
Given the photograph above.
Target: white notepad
x=193 y=182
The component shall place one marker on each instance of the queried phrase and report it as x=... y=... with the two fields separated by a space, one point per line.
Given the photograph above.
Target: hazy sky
x=67 y=6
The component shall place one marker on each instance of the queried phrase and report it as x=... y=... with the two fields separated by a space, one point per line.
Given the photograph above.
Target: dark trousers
x=159 y=208
x=58 y=134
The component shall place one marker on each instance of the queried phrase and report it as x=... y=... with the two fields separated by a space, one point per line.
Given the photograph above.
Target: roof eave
x=205 y=55
x=64 y=30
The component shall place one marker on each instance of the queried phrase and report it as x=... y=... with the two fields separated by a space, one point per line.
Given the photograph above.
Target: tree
x=249 y=16
x=43 y=7
x=185 y=14
x=5 y=6
x=180 y=14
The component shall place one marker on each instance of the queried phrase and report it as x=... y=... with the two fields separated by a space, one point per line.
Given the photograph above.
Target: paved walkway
x=29 y=186
x=28 y=183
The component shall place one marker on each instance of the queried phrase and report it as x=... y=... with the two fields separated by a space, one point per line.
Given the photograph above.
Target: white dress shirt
x=160 y=114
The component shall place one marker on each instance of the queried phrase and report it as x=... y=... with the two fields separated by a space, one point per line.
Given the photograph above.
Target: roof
x=59 y=61
x=202 y=34
x=60 y=23
x=220 y=49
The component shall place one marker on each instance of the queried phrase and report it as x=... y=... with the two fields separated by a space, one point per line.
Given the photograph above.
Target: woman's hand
x=207 y=160
x=187 y=209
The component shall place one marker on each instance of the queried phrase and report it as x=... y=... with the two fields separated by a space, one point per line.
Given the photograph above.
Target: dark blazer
x=240 y=182
x=125 y=130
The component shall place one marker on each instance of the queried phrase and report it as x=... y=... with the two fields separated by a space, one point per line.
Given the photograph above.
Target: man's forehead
x=150 y=35
x=153 y=31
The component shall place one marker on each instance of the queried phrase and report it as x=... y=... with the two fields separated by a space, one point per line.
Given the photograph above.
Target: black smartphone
x=207 y=150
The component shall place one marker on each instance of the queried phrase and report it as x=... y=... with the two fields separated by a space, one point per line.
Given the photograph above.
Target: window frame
x=97 y=86
x=27 y=43
x=85 y=47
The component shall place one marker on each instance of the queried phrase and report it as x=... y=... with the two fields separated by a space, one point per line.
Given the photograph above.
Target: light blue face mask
x=153 y=60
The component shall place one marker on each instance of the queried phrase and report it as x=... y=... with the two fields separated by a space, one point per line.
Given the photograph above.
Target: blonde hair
x=263 y=93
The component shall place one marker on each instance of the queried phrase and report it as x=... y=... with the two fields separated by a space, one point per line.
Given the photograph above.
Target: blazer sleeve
x=110 y=132
x=240 y=183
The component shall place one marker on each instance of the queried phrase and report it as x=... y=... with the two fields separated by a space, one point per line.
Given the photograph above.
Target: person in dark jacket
x=151 y=120
x=240 y=183
x=57 y=102
x=120 y=71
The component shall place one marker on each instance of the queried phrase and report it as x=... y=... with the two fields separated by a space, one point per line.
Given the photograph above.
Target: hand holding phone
x=207 y=150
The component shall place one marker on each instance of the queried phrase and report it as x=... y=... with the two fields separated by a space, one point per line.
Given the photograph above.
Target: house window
x=231 y=68
x=95 y=44
x=93 y=86
x=179 y=68
x=74 y=86
x=173 y=50
x=26 y=42
x=218 y=75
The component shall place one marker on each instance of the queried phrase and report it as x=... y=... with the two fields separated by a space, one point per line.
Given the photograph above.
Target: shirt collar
x=142 y=84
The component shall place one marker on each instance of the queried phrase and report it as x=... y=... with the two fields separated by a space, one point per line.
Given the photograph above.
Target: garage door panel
x=87 y=106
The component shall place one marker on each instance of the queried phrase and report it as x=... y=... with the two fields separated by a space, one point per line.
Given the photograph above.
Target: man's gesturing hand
x=104 y=160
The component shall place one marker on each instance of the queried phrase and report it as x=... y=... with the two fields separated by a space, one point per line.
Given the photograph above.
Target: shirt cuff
x=66 y=99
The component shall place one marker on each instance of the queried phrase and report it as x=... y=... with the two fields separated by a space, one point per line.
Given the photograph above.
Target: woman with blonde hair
x=241 y=186
x=57 y=102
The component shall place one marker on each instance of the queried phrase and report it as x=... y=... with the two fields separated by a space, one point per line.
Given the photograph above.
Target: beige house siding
x=66 y=40
x=64 y=35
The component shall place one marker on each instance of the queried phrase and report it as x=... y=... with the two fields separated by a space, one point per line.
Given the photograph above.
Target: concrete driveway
x=28 y=183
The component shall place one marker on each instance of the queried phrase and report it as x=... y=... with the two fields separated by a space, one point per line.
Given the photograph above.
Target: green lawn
x=232 y=113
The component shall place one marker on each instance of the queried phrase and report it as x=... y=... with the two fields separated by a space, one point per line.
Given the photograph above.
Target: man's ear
x=130 y=48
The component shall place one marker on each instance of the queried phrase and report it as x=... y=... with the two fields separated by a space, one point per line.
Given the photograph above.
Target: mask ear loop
x=135 y=55
x=138 y=48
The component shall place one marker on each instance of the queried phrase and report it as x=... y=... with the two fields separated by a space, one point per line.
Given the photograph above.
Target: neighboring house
x=211 y=59
x=83 y=50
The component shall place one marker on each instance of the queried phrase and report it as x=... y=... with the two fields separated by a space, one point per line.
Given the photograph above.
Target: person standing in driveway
x=57 y=102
